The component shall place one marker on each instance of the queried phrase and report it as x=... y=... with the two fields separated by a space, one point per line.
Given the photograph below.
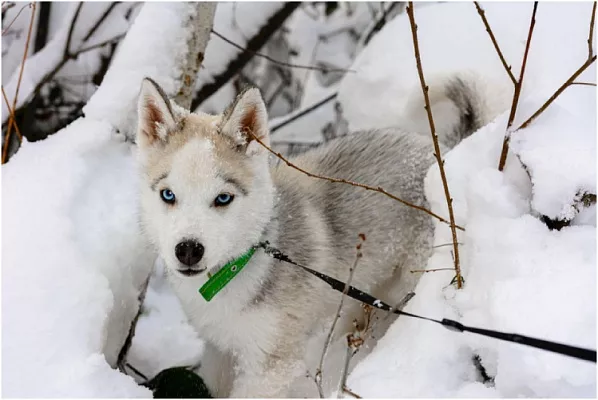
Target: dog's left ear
x=245 y=118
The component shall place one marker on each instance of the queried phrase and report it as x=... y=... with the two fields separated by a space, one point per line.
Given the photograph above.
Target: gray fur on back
x=397 y=236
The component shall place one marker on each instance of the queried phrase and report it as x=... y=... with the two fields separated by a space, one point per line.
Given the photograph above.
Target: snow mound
x=71 y=264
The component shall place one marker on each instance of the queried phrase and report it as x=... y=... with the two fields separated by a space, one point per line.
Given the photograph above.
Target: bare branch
x=302 y=113
x=69 y=38
x=15 y=18
x=591 y=35
x=516 y=94
x=12 y=114
x=430 y=270
x=495 y=43
x=583 y=83
x=361 y=185
x=12 y=121
x=254 y=44
x=381 y=21
x=115 y=39
x=449 y=200
x=349 y=392
x=284 y=64
x=318 y=375
x=445 y=244
x=100 y=20
x=590 y=60
x=122 y=354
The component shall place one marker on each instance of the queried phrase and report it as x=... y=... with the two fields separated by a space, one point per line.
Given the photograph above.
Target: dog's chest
x=229 y=325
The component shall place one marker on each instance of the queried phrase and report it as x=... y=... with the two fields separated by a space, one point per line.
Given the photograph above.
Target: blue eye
x=167 y=196
x=223 y=199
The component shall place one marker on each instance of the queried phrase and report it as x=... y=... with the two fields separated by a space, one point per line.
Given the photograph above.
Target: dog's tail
x=461 y=104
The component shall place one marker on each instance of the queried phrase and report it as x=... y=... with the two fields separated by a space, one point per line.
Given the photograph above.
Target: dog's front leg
x=269 y=375
x=216 y=370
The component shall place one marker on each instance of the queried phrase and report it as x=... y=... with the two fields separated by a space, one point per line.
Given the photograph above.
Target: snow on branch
x=66 y=46
x=11 y=110
x=282 y=63
x=589 y=61
x=173 y=59
x=517 y=93
x=236 y=64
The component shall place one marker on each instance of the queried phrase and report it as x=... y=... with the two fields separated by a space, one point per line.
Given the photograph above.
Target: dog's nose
x=189 y=252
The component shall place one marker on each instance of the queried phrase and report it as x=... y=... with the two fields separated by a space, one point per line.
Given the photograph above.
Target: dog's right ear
x=154 y=113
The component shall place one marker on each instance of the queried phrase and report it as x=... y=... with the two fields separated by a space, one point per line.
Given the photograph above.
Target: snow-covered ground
x=73 y=258
x=519 y=276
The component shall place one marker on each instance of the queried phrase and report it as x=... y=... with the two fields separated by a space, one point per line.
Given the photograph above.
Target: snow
x=237 y=22
x=519 y=276
x=71 y=264
x=43 y=62
x=154 y=349
x=74 y=259
x=160 y=61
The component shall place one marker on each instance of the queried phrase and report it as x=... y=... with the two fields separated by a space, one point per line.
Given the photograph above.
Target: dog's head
x=207 y=193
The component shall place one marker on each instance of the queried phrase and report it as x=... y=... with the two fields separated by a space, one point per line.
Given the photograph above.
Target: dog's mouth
x=191 y=271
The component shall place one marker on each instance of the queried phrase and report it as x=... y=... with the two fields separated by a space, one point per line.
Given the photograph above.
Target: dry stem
x=5 y=30
x=449 y=200
x=413 y=271
x=496 y=47
x=12 y=114
x=350 y=392
x=338 y=180
x=589 y=61
x=12 y=120
x=318 y=375
x=518 y=85
x=282 y=63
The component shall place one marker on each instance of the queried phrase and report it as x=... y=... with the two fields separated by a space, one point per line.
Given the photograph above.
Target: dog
x=209 y=194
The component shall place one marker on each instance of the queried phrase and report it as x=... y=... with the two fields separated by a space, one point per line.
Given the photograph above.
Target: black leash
x=572 y=351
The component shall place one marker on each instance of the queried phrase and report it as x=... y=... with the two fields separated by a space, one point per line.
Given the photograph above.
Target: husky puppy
x=209 y=194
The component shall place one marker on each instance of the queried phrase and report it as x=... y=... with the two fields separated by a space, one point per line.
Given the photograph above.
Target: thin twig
x=100 y=20
x=318 y=375
x=430 y=270
x=122 y=354
x=12 y=121
x=354 y=342
x=12 y=114
x=67 y=47
x=590 y=60
x=445 y=244
x=350 y=392
x=285 y=64
x=97 y=45
x=516 y=94
x=449 y=200
x=67 y=56
x=380 y=22
x=304 y=112
x=15 y=18
x=591 y=35
x=583 y=83
x=338 y=180
x=137 y=372
x=271 y=26
x=495 y=43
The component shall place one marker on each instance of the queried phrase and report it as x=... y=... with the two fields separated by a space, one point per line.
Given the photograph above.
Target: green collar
x=226 y=274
